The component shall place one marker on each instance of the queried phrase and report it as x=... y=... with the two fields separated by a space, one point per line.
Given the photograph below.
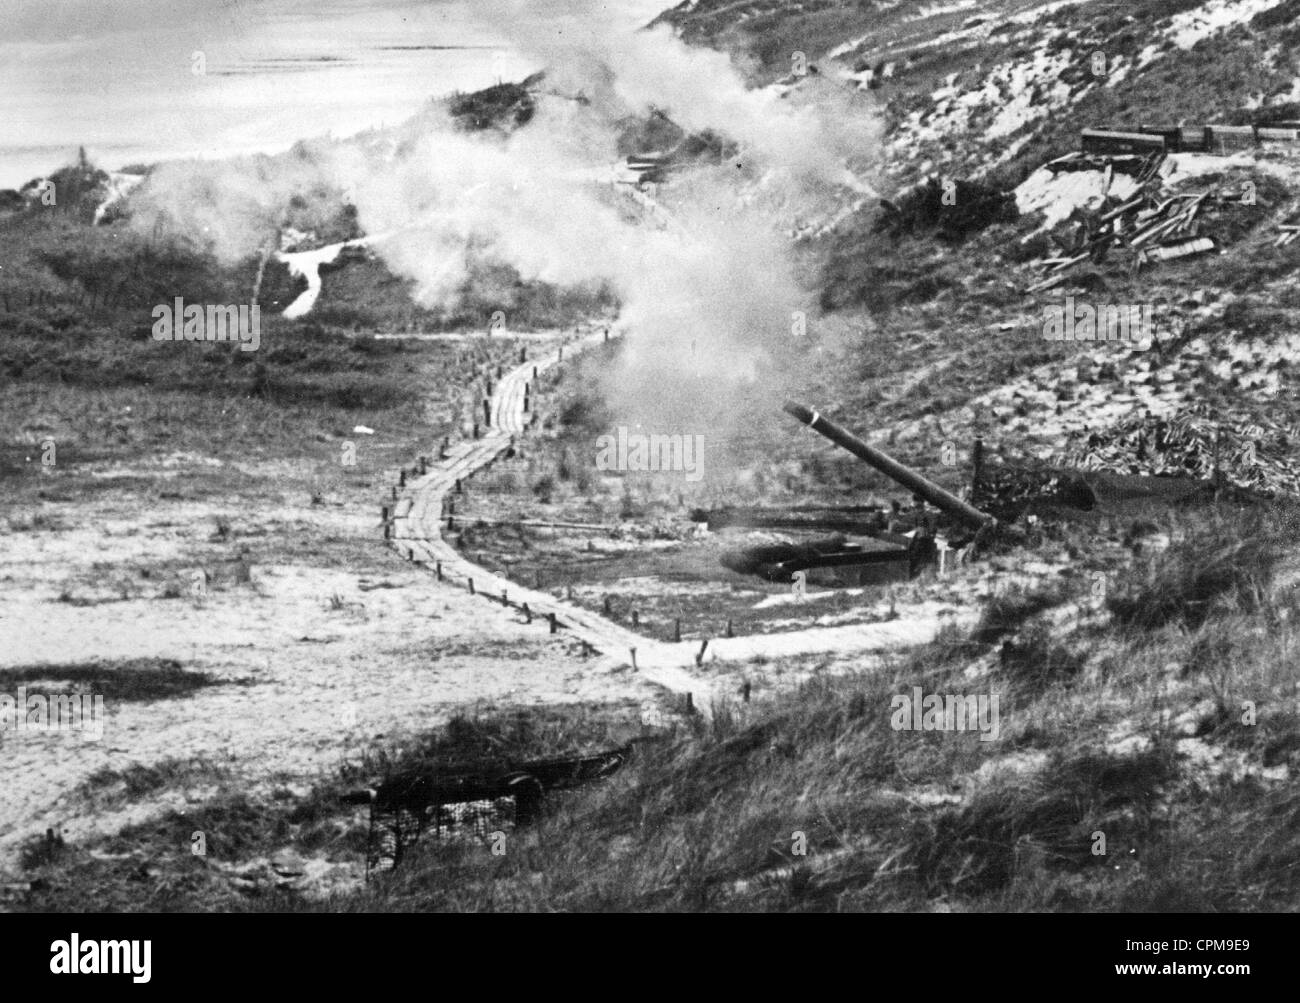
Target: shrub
x=1219 y=565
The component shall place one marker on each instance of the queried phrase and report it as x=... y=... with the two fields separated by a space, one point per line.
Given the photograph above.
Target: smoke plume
x=705 y=275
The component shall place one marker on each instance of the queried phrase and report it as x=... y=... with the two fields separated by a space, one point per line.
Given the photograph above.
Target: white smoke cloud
x=590 y=48
x=702 y=298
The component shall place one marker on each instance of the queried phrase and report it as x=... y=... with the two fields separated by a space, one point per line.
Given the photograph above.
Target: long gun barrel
x=890 y=467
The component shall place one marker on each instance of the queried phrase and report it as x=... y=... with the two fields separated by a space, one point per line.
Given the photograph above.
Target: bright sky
x=118 y=75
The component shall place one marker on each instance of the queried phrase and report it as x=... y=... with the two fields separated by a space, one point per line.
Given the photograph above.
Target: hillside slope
x=1142 y=653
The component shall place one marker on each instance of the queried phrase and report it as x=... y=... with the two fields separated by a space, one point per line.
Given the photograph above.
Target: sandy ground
x=335 y=643
x=399 y=655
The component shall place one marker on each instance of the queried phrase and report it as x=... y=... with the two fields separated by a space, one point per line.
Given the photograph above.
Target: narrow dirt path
x=416 y=532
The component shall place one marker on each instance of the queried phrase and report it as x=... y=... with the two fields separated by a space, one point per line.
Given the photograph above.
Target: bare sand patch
x=313 y=657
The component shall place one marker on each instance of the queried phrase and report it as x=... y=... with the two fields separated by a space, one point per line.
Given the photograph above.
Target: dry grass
x=1227 y=562
x=1099 y=735
x=1163 y=720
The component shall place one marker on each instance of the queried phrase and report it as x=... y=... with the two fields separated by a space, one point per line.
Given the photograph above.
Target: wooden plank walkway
x=416 y=532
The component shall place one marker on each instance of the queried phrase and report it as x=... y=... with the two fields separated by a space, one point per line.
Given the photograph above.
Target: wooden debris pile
x=1139 y=166
x=1151 y=225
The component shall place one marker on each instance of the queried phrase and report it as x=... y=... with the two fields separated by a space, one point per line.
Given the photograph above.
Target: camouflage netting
x=1007 y=492
x=1250 y=455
